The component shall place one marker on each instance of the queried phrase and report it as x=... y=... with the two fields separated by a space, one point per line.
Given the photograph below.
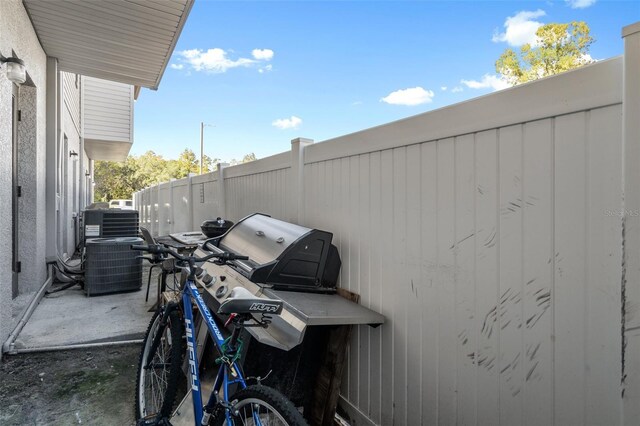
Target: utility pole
x=202 y=144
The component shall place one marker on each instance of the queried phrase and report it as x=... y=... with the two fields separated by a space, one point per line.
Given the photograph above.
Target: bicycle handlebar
x=157 y=249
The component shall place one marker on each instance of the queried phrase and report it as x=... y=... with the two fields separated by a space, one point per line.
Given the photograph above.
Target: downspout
x=9 y=345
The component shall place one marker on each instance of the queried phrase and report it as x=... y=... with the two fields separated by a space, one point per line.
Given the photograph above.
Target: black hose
x=61 y=288
x=70 y=269
x=67 y=275
x=68 y=281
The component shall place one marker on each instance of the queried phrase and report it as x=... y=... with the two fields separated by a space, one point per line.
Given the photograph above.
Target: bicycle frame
x=223 y=381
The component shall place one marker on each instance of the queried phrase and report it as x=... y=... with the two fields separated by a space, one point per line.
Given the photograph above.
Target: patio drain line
x=9 y=345
x=76 y=346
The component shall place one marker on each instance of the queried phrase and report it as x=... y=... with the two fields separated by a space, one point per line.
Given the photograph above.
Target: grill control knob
x=221 y=291
x=222 y=277
x=199 y=271
x=207 y=280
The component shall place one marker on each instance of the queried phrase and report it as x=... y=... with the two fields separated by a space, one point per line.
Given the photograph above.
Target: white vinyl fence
x=499 y=237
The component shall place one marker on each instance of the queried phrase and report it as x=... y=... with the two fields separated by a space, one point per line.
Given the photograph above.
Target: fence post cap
x=301 y=141
x=631 y=29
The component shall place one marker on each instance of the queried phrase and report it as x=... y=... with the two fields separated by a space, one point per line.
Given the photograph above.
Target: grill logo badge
x=263 y=307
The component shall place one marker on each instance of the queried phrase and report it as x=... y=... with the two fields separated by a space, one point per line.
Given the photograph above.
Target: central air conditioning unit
x=109 y=223
x=111 y=266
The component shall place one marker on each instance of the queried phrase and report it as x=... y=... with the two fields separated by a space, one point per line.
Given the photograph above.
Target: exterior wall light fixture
x=15 y=69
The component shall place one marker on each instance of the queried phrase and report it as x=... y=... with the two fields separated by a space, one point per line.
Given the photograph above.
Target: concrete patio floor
x=69 y=318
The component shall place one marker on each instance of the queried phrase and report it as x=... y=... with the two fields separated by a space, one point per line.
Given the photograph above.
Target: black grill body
x=282 y=255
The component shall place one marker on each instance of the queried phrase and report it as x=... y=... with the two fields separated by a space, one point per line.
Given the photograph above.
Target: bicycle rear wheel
x=159 y=370
x=261 y=405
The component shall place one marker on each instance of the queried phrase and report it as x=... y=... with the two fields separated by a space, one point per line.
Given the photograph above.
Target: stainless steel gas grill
x=302 y=346
x=282 y=255
x=286 y=261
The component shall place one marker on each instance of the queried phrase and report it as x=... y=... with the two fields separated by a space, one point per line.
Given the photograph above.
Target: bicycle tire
x=150 y=406
x=269 y=400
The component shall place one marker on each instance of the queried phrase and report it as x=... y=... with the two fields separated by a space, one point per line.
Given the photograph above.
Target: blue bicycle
x=165 y=351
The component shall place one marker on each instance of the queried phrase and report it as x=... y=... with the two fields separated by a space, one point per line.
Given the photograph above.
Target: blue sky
x=266 y=72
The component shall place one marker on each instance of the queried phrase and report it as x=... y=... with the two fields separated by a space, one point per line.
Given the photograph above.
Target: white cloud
x=356 y=103
x=520 y=28
x=292 y=122
x=177 y=66
x=488 y=81
x=262 y=54
x=265 y=69
x=411 y=97
x=443 y=88
x=217 y=61
x=579 y=4
x=457 y=89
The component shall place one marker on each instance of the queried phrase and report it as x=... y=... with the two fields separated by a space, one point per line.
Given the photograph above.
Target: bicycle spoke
x=156 y=377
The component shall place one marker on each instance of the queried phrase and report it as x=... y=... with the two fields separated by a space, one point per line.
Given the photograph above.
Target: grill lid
x=281 y=254
x=262 y=238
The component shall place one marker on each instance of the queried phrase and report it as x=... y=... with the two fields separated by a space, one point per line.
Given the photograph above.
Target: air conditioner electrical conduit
x=9 y=345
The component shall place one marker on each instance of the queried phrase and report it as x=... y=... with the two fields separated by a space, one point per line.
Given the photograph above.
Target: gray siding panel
x=108 y=110
x=71 y=91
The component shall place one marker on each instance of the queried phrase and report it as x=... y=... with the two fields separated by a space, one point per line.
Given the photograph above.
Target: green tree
x=559 y=48
x=246 y=159
x=151 y=169
x=116 y=180
x=249 y=157
x=187 y=163
x=119 y=180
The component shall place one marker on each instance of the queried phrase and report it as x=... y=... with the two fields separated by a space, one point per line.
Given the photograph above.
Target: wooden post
x=327 y=389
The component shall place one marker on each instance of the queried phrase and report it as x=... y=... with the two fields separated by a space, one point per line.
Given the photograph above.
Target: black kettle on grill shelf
x=215 y=228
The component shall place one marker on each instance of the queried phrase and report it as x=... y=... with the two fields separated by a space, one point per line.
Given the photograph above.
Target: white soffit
x=106 y=150
x=130 y=41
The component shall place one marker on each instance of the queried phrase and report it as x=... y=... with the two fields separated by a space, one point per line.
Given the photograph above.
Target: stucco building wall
x=17 y=37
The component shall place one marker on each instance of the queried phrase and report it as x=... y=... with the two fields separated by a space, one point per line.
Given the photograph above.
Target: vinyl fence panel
x=490 y=235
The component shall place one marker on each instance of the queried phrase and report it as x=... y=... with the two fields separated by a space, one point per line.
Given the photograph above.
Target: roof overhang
x=102 y=150
x=129 y=41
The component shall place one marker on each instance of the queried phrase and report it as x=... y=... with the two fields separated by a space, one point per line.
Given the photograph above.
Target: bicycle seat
x=241 y=301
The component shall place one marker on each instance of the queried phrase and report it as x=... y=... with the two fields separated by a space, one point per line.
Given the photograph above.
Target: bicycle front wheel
x=259 y=405
x=159 y=368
